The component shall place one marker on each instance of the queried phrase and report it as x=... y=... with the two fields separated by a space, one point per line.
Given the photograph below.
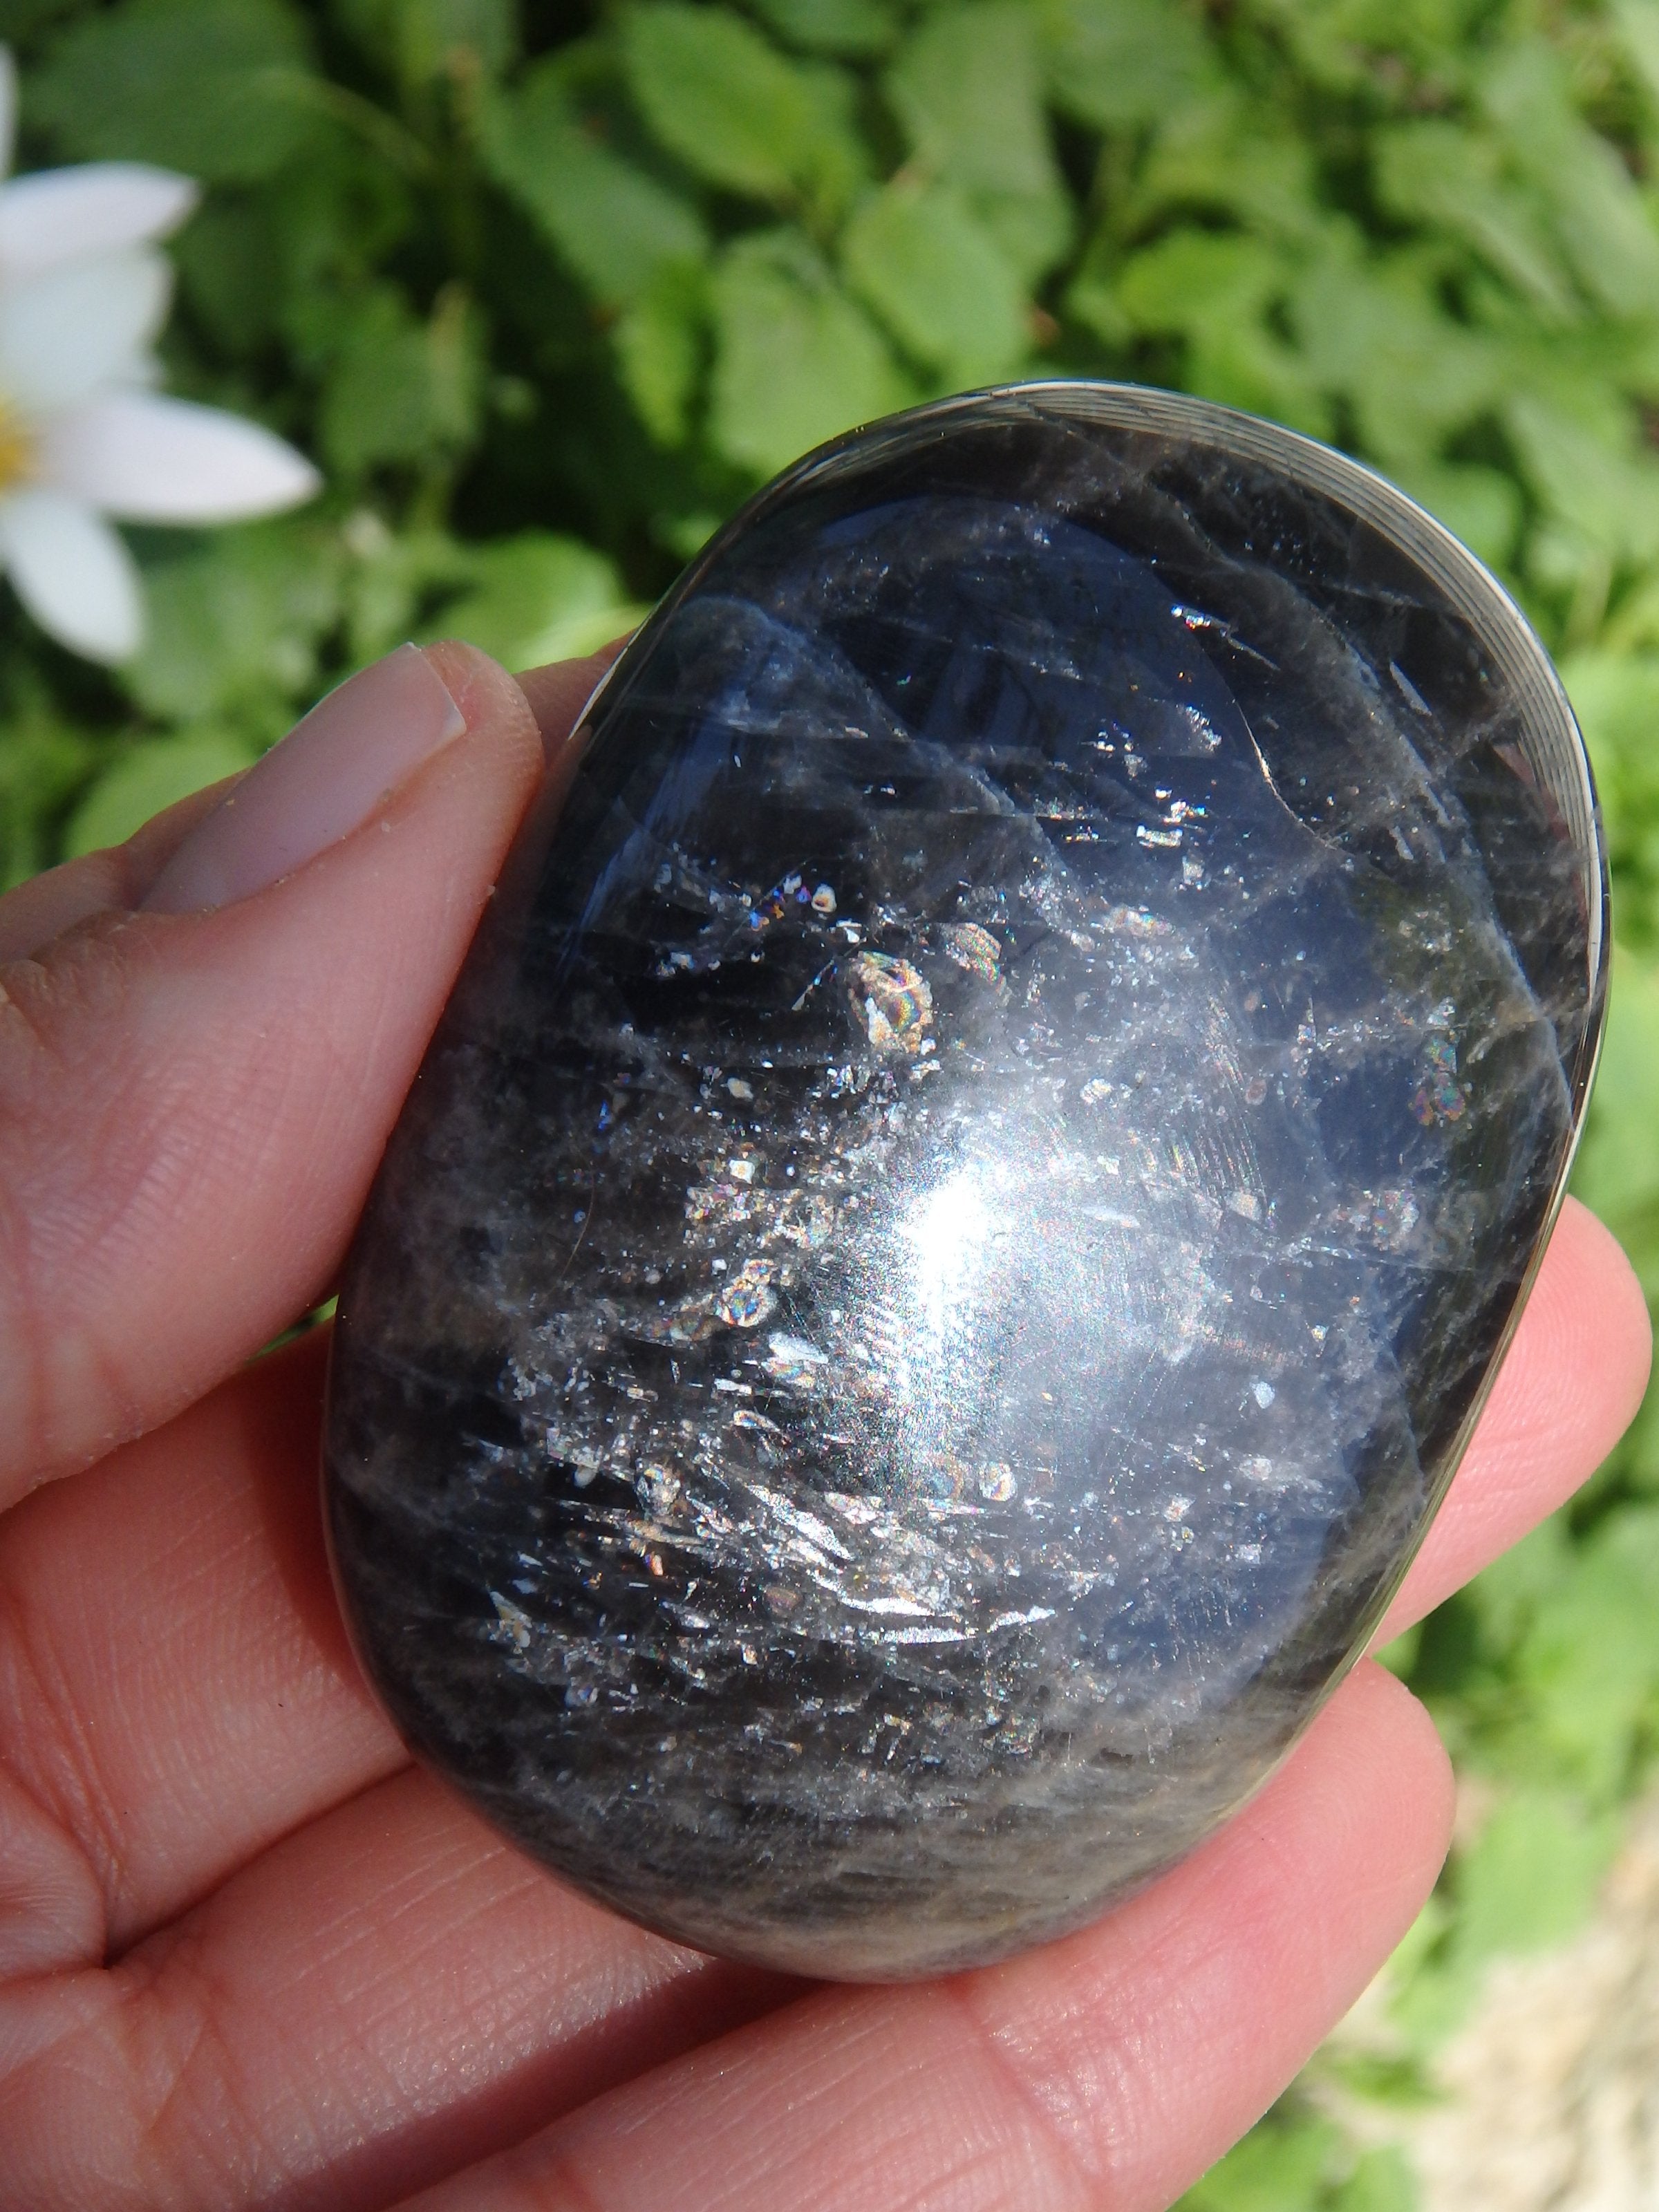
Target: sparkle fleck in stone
x=922 y=1525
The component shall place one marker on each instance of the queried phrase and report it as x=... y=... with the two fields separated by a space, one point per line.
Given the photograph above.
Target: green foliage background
x=547 y=288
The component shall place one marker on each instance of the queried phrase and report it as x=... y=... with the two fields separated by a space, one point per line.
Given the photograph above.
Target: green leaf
x=1530 y=1877
x=1617 y=1171
x=1441 y=174
x=1425 y=1935
x=1195 y=281
x=1217 y=290
x=1528 y=1880
x=44 y=760
x=1420 y=2001
x=330 y=221
x=1590 y=1662
x=940 y=281
x=1091 y=300
x=1596 y=481
x=1116 y=64
x=685 y=535
x=1506 y=1595
x=1616 y=699
x=421 y=39
x=153 y=776
x=1281 y=2165
x=1636 y=1459
x=615 y=227
x=21 y=19
x=1603 y=233
x=968 y=88
x=235 y=624
x=1382 y=2181
x=1399 y=1655
x=230 y=264
x=1371 y=328
x=796 y=360
x=391 y=582
x=722 y=99
x=400 y=390
x=1385 y=49
x=1638 y=21
x=218 y=89
x=1230 y=154
x=660 y=349
x=831 y=27
x=536 y=596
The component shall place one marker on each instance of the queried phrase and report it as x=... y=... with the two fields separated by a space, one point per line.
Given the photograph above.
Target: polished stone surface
x=946 y=1247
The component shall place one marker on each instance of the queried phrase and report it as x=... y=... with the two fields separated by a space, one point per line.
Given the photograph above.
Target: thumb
x=199 y=1067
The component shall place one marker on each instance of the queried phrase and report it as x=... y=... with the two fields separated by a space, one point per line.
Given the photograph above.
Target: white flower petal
x=151 y=460
x=90 y=323
x=73 y=574
x=54 y=215
x=7 y=109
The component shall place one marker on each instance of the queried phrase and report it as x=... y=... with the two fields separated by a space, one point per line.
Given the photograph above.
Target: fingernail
x=330 y=774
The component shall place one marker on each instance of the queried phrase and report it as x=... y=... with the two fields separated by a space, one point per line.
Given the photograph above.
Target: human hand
x=248 y=1955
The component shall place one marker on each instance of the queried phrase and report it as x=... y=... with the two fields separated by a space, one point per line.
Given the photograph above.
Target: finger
x=176 y=1690
x=191 y=1102
x=384 y=1996
x=1111 y=2068
x=1566 y=1393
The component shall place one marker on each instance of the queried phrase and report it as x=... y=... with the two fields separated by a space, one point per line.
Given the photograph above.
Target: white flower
x=83 y=435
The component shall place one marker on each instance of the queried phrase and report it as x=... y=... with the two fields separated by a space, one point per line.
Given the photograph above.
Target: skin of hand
x=249 y=1955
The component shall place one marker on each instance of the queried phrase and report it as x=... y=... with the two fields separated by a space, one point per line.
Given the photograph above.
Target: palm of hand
x=248 y=1955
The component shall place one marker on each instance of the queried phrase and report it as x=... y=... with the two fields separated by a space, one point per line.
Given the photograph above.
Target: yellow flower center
x=16 y=446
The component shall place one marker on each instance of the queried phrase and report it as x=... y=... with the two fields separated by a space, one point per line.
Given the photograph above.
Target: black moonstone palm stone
x=953 y=1230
